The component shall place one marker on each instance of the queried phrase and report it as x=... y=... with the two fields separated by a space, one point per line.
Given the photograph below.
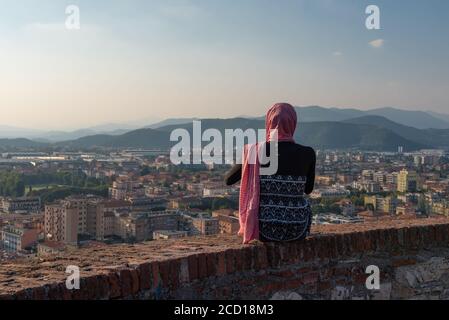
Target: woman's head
x=281 y=117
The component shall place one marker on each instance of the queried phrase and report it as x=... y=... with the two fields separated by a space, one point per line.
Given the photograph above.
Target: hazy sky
x=152 y=59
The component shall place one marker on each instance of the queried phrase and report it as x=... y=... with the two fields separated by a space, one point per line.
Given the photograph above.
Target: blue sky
x=146 y=60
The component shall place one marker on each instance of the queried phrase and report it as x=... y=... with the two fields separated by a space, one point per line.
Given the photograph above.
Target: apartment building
x=61 y=223
x=407 y=181
x=122 y=189
x=382 y=204
x=337 y=191
x=21 y=204
x=66 y=219
x=16 y=239
x=205 y=226
x=141 y=226
x=228 y=224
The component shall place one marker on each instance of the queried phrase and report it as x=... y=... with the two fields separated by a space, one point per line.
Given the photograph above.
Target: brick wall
x=412 y=256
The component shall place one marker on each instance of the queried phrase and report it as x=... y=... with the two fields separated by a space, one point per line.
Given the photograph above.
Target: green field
x=42 y=187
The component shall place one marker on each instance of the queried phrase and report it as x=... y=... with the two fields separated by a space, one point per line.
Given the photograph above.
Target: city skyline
x=169 y=59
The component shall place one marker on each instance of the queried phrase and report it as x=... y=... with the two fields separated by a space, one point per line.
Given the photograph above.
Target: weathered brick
x=414 y=237
x=270 y=255
x=339 y=242
x=184 y=271
x=175 y=270
x=156 y=283
x=202 y=266
x=299 y=250
x=221 y=264
x=39 y=293
x=239 y=260
x=211 y=264
x=164 y=272
x=91 y=287
x=443 y=231
x=114 y=285
x=145 y=276
x=347 y=244
x=248 y=258
x=193 y=267
x=283 y=253
x=309 y=249
x=230 y=261
x=126 y=282
x=54 y=292
x=83 y=292
x=103 y=287
x=394 y=235
x=401 y=237
x=261 y=257
x=24 y=294
x=293 y=252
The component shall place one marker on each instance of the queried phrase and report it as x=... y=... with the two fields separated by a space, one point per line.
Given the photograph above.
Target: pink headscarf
x=281 y=117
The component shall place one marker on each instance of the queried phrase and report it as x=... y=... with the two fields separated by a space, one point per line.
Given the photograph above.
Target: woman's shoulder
x=305 y=149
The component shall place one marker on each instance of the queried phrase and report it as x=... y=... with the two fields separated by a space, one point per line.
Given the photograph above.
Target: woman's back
x=293 y=160
x=284 y=213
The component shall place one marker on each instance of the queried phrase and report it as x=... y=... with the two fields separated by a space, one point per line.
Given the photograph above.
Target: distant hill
x=438 y=115
x=416 y=119
x=21 y=143
x=9 y=132
x=329 y=135
x=339 y=135
x=319 y=127
x=317 y=114
x=141 y=138
x=430 y=137
x=55 y=136
x=170 y=122
x=58 y=135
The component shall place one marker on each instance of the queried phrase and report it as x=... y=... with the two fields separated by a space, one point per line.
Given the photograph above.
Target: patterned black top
x=284 y=214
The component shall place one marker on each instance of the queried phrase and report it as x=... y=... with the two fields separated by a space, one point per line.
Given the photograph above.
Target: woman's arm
x=234 y=175
x=310 y=184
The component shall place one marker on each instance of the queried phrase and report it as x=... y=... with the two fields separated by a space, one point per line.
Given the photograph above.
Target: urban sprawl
x=51 y=202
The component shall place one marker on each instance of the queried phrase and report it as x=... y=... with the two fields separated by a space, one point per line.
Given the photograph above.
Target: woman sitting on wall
x=273 y=207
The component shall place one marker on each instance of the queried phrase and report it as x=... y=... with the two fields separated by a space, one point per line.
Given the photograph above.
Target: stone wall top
x=120 y=270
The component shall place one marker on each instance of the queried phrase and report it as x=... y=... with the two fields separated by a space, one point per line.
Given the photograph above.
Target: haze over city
x=150 y=60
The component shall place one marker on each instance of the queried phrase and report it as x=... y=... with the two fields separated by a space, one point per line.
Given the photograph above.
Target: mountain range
x=327 y=128
x=416 y=119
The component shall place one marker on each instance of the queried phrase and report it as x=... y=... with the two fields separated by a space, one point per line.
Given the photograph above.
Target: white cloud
x=378 y=43
x=337 y=53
